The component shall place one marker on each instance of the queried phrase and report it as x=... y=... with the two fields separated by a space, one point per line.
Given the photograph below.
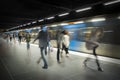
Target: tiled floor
x=21 y=64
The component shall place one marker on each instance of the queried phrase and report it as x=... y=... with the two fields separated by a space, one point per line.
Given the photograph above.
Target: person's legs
x=63 y=48
x=58 y=52
x=28 y=45
x=43 y=57
x=66 y=50
x=10 y=39
x=19 y=40
x=97 y=61
x=46 y=50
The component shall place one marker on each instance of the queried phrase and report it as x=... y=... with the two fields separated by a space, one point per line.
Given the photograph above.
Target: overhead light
x=63 y=24
x=50 y=18
x=20 y=25
x=84 y=9
x=97 y=19
x=54 y=25
x=78 y=22
x=24 y=24
x=28 y=23
x=111 y=2
x=41 y=20
x=34 y=22
x=63 y=14
x=34 y=28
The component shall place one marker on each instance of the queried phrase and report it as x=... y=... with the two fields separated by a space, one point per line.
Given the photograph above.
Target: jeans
x=65 y=48
x=28 y=45
x=94 y=53
x=58 y=52
x=43 y=56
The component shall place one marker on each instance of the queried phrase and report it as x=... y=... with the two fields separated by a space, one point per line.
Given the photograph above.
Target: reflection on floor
x=22 y=64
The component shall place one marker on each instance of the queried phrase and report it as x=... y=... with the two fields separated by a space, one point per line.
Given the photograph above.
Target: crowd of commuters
x=63 y=41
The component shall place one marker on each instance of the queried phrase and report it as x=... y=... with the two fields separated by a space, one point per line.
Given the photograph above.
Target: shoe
x=45 y=53
x=44 y=67
x=67 y=55
x=100 y=69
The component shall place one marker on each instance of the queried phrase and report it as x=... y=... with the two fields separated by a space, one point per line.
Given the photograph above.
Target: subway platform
x=21 y=64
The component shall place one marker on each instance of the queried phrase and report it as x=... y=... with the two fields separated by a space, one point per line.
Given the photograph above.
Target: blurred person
x=65 y=42
x=28 y=39
x=10 y=36
x=20 y=37
x=92 y=44
x=14 y=37
x=59 y=36
x=43 y=43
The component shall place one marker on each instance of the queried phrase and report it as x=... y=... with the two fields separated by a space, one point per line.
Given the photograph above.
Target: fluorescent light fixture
x=63 y=14
x=34 y=22
x=97 y=19
x=20 y=25
x=34 y=28
x=54 y=25
x=41 y=20
x=111 y=2
x=50 y=18
x=24 y=24
x=28 y=23
x=84 y=9
x=62 y=24
x=78 y=22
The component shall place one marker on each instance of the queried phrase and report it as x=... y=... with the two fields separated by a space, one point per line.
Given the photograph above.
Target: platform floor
x=21 y=64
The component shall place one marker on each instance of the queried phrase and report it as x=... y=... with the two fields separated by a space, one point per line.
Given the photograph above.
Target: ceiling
x=18 y=12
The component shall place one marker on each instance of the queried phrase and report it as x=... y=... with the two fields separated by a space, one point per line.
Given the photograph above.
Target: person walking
x=59 y=36
x=43 y=43
x=65 y=42
x=14 y=37
x=20 y=35
x=28 y=39
x=92 y=44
